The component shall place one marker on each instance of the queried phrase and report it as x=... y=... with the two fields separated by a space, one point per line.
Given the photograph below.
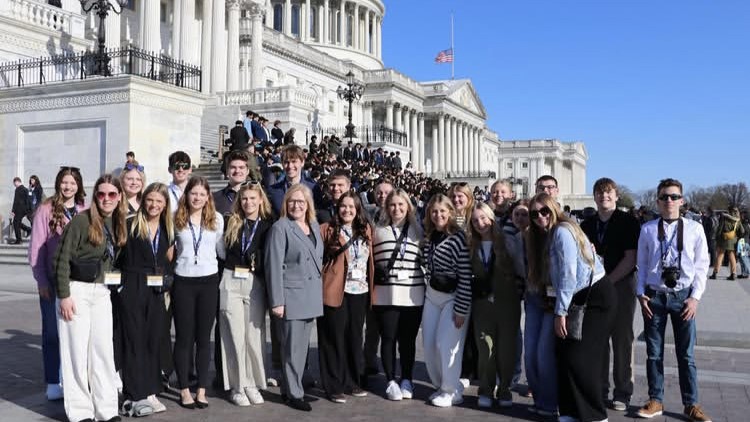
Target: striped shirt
x=451 y=257
x=409 y=289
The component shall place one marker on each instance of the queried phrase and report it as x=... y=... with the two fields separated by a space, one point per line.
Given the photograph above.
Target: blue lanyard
x=155 y=242
x=402 y=251
x=196 y=243
x=485 y=259
x=110 y=242
x=230 y=194
x=665 y=251
x=246 y=245
x=70 y=214
x=174 y=193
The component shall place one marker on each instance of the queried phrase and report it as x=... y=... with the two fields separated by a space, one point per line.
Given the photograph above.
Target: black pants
x=398 y=324
x=18 y=225
x=194 y=304
x=579 y=384
x=342 y=361
x=372 y=340
x=166 y=362
x=470 y=358
x=141 y=316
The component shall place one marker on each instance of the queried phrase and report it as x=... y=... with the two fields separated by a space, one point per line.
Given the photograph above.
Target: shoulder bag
x=382 y=274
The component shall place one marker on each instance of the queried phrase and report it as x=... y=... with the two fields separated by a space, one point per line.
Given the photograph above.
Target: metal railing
x=378 y=136
x=485 y=174
x=79 y=66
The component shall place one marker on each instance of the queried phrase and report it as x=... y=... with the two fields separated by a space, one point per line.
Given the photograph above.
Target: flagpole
x=453 y=51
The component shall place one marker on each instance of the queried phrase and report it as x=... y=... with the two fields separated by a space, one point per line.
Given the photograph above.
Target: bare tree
x=626 y=197
x=735 y=194
x=699 y=198
x=647 y=199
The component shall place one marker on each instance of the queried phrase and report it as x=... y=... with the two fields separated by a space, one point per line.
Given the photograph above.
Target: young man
x=614 y=234
x=338 y=184
x=236 y=172
x=180 y=168
x=672 y=269
x=21 y=207
x=293 y=159
x=547 y=184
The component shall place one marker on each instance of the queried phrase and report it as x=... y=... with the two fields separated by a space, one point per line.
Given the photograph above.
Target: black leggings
x=398 y=324
x=194 y=301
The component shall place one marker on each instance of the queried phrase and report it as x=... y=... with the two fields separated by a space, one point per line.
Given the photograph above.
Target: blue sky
x=654 y=88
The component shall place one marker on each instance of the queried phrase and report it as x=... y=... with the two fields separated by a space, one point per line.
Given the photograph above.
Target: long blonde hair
x=139 y=170
x=299 y=187
x=466 y=190
x=237 y=219
x=385 y=215
x=208 y=214
x=474 y=241
x=436 y=201
x=139 y=228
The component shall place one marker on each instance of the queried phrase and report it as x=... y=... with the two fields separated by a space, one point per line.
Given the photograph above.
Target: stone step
x=20 y=261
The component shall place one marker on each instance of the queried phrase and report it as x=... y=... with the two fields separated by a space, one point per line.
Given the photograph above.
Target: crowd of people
x=343 y=241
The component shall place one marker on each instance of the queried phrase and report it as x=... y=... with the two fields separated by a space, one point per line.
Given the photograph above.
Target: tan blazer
x=334 y=272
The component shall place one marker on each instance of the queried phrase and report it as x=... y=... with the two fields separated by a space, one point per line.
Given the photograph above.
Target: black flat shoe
x=299 y=404
x=201 y=404
x=187 y=405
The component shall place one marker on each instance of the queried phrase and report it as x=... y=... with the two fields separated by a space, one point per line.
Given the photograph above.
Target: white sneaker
x=254 y=395
x=434 y=394
x=447 y=400
x=465 y=382
x=54 y=392
x=272 y=382
x=156 y=404
x=240 y=399
x=393 y=391
x=407 y=389
x=484 y=402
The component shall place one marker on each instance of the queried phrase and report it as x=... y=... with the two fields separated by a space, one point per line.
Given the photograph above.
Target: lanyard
x=355 y=244
x=246 y=245
x=70 y=213
x=155 y=242
x=174 y=193
x=110 y=243
x=196 y=242
x=230 y=194
x=401 y=251
x=665 y=248
x=601 y=230
x=485 y=259
x=435 y=241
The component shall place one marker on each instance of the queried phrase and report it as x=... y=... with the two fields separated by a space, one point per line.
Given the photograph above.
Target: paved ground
x=723 y=360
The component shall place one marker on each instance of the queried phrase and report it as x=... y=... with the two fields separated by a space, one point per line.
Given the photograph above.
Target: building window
x=130 y=5
x=313 y=23
x=350 y=31
x=269 y=83
x=330 y=106
x=278 y=16
x=295 y=21
x=509 y=166
x=163 y=12
x=524 y=165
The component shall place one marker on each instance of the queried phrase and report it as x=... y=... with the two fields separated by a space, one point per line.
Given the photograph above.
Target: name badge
x=154 y=281
x=358 y=274
x=112 y=279
x=241 y=272
x=551 y=292
x=491 y=298
x=403 y=274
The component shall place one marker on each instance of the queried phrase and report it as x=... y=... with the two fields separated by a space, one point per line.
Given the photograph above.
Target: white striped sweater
x=405 y=292
x=452 y=256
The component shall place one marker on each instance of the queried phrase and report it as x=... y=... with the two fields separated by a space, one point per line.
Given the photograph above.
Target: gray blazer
x=293 y=270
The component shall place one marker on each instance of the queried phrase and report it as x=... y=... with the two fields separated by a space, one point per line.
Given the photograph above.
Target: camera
x=670 y=275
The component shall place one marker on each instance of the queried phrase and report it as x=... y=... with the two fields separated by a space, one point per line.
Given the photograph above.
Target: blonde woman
x=463 y=201
x=242 y=296
x=133 y=180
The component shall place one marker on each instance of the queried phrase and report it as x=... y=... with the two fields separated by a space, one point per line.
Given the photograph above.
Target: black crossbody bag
x=382 y=274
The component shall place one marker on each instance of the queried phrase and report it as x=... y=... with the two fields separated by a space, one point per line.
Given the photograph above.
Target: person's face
x=397 y=209
x=237 y=172
x=440 y=215
x=481 y=222
x=292 y=167
x=181 y=172
x=132 y=183
x=155 y=204
x=347 y=211
x=520 y=217
x=540 y=215
x=250 y=202
x=547 y=186
x=68 y=187
x=460 y=200
x=606 y=200
x=338 y=187
x=499 y=195
x=264 y=123
x=296 y=206
x=197 y=198
x=32 y=183
x=670 y=200
x=16 y=183
x=107 y=198
x=382 y=192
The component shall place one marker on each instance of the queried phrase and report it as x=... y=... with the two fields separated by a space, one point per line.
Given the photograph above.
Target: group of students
x=119 y=268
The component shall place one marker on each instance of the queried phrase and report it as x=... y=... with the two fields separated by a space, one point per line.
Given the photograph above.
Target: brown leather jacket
x=334 y=272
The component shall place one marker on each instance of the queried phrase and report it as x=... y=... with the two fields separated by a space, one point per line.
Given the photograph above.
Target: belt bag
x=443 y=283
x=86 y=270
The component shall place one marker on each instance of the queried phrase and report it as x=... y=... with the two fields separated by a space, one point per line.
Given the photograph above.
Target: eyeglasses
x=544 y=212
x=545 y=187
x=249 y=183
x=181 y=166
x=70 y=168
x=109 y=195
x=672 y=196
x=131 y=166
x=296 y=202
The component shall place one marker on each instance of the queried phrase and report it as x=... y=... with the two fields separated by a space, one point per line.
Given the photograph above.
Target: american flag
x=445 y=56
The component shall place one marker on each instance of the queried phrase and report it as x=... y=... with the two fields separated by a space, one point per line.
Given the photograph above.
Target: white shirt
x=211 y=245
x=693 y=264
x=175 y=193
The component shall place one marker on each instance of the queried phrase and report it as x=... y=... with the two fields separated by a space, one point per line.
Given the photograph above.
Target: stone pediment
x=465 y=95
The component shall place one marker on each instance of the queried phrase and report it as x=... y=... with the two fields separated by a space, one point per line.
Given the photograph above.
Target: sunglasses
x=70 y=168
x=181 y=166
x=672 y=196
x=544 y=212
x=249 y=183
x=109 y=195
x=131 y=166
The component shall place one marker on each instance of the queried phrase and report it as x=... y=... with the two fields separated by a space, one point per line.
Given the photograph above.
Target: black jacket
x=21 y=204
x=277 y=133
x=239 y=138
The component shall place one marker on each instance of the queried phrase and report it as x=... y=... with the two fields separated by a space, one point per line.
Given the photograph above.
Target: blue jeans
x=745 y=264
x=50 y=341
x=539 y=357
x=664 y=305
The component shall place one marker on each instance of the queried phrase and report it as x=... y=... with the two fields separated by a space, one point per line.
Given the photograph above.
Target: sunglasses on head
x=249 y=183
x=109 y=195
x=131 y=166
x=544 y=212
x=672 y=196
x=181 y=166
x=70 y=168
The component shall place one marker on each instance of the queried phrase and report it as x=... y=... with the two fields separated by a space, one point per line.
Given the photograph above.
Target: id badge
x=112 y=279
x=155 y=281
x=403 y=274
x=241 y=272
x=551 y=292
x=358 y=274
x=491 y=298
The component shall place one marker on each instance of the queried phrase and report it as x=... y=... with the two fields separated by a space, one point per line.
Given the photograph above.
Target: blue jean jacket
x=569 y=272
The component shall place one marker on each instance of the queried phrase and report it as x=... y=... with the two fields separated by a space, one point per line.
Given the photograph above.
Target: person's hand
x=12 y=214
x=458 y=320
x=45 y=292
x=67 y=308
x=560 y=326
x=691 y=307
x=645 y=309
x=278 y=311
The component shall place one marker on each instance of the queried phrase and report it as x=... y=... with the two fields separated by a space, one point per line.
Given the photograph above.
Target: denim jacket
x=569 y=271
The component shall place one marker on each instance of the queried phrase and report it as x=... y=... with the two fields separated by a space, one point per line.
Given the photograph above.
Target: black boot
x=713 y=276
x=731 y=277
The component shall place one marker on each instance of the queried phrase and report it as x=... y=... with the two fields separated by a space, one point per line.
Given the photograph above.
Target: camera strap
x=663 y=237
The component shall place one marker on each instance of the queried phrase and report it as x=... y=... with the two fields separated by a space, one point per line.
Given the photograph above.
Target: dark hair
x=17 y=179
x=57 y=202
x=665 y=183
x=249 y=113
x=604 y=184
x=235 y=156
x=546 y=177
x=178 y=157
x=130 y=154
x=291 y=152
x=360 y=223
x=37 y=183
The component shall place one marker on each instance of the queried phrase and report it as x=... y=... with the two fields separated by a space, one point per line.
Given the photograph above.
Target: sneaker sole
x=505 y=403
x=649 y=416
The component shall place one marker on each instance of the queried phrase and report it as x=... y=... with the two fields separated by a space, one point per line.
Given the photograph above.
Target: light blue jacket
x=569 y=271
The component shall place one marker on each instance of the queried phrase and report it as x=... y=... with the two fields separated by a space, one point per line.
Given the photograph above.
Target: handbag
x=383 y=274
x=574 y=320
x=86 y=270
x=443 y=283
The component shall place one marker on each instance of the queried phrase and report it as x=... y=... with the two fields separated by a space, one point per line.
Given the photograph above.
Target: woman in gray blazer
x=294 y=258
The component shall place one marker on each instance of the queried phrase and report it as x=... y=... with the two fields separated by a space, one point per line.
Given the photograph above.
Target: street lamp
x=102 y=8
x=351 y=93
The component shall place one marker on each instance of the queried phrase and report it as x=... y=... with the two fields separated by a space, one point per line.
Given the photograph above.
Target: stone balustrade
x=40 y=14
x=284 y=94
x=394 y=77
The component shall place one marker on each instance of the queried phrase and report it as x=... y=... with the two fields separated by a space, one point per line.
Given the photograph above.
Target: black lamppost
x=102 y=8
x=351 y=93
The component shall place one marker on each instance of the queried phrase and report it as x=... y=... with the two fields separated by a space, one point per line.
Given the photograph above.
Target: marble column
x=321 y=19
x=380 y=36
x=368 y=115
x=389 y=114
x=233 y=44
x=397 y=117
x=433 y=149
x=405 y=127
x=355 y=30
x=206 y=43
x=308 y=20
x=454 y=145
x=269 y=15
x=326 y=22
x=342 y=24
x=218 y=47
x=415 y=147
x=256 y=46
x=188 y=32
x=462 y=147
x=286 y=24
x=112 y=34
x=367 y=31
x=466 y=152
x=442 y=151
x=420 y=139
x=176 y=28
x=151 y=27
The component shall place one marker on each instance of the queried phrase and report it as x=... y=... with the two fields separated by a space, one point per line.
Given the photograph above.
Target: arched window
x=295 y=20
x=278 y=17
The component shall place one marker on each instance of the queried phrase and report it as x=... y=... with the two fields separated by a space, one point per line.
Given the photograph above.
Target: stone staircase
x=212 y=172
x=14 y=254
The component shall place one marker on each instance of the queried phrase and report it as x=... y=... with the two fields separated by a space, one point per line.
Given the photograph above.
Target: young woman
x=49 y=221
x=144 y=263
x=729 y=231
x=294 y=260
x=242 y=296
x=83 y=269
x=195 y=292
x=463 y=201
x=398 y=294
x=496 y=307
x=501 y=194
x=35 y=194
x=347 y=281
x=564 y=268
x=447 y=300
x=133 y=181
